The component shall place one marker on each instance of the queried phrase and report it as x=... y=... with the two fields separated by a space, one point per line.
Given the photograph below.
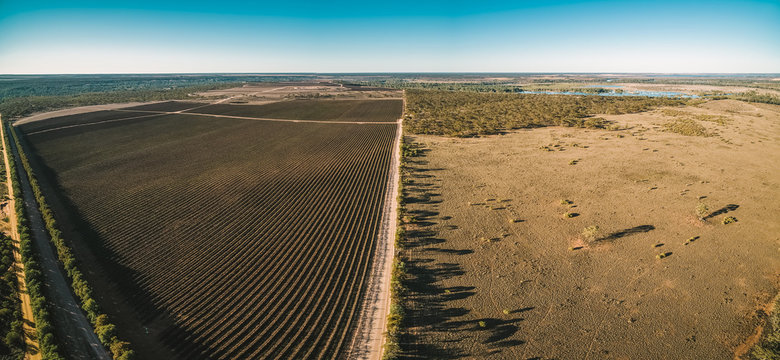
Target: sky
x=223 y=36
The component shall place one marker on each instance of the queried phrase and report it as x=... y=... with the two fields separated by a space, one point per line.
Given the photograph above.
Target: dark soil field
x=335 y=110
x=227 y=238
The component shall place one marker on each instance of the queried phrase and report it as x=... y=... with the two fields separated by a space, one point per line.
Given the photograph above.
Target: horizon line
x=313 y=73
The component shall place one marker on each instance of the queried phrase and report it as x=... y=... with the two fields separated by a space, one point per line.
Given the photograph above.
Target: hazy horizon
x=368 y=73
x=592 y=37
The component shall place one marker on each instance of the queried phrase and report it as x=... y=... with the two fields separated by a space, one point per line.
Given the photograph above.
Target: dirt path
x=75 y=333
x=30 y=338
x=368 y=342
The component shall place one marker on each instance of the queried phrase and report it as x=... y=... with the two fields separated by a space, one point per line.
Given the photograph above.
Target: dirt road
x=75 y=333
x=369 y=339
x=30 y=338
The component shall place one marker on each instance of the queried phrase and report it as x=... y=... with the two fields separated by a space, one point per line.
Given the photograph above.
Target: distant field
x=78 y=119
x=335 y=110
x=167 y=106
x=232 y=238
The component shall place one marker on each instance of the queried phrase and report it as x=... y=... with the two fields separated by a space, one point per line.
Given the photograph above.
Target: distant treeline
x=466 y=114
x=18 y=107
x=753 y=96
x=12 y=86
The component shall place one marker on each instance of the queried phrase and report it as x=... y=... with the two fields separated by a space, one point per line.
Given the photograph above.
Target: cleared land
x=217 y=238
x=335 y=110
x=77 y=119
x=499 y=271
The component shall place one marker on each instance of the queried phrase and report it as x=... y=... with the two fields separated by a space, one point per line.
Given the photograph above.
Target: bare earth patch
x=538 y=288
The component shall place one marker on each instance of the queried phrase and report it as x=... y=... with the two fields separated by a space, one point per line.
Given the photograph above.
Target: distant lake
x=622 y=93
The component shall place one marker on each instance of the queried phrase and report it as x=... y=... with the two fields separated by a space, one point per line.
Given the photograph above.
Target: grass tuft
x=729 y=220
x=590 y=232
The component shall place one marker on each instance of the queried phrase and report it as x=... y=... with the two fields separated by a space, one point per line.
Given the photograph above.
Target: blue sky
x=389 y=36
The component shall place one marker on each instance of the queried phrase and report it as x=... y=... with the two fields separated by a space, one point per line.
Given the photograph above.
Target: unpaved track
x=30 y=337
x=369 y=339
x=74 y=331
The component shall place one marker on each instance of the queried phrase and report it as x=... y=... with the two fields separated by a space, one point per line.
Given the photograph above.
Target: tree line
x=33 y=274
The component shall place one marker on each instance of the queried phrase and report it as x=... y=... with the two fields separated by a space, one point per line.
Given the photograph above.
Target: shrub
x=729 y=219
x=702 y=210
x=590 y=232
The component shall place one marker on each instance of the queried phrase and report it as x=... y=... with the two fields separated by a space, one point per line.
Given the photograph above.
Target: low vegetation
x=11 y=331
x=591 y=233
x=679 y=114
x=687 y=127
x=768 y=348
x=466 y=114
x=702 y=210
x=33 y=275
x=754 y=96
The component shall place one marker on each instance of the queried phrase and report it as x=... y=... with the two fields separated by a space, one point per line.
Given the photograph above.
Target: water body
x=623 y=93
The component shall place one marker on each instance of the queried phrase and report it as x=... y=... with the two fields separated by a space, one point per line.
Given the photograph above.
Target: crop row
x=255 y=238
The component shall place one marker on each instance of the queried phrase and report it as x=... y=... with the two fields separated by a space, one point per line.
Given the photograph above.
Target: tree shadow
x=452 y=251
x=430 y=305
x=626 y=232
x=721 y=211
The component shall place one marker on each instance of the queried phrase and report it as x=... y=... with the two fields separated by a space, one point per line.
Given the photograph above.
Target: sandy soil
x=501 y=273
x=693 y=89
x=30 y=338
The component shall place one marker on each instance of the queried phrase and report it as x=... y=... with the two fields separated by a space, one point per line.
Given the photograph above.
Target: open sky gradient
x=142 y=36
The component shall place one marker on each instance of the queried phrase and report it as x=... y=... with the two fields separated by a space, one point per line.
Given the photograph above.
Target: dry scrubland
x=501 y=267
x=224 y=238
x=272 y=92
